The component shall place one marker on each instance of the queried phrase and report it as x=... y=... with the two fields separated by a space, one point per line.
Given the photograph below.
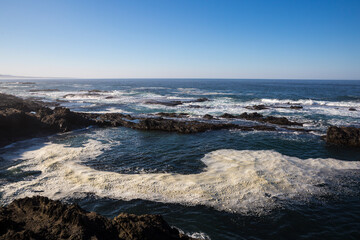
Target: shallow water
x=223 y=184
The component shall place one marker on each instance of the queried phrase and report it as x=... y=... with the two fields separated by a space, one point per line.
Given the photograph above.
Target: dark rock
x=251 y=116
x=9 y=101
x=90 y=94
x=42 y=218
x=44 y=90
x=280 y=121
x=63 y=120
x=21 y=119
x=260 y=118
x=174 y=103
x=26 y=83
x=352 y=109
x=208 y=116
x=344 y=136
x=227 y=115
x=296 y=107
x=173 y=115
x=257 y=107
x=201 y=100
x=165 y=103
x=97 y=91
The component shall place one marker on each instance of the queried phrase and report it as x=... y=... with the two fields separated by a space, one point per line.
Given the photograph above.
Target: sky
x=278 y=39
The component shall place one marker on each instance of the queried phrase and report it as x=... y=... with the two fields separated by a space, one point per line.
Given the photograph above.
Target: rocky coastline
x=42 y=218
x=21 y=119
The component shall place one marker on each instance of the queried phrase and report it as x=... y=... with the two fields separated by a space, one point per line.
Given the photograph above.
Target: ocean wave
x=235 y=181
x=309 y=102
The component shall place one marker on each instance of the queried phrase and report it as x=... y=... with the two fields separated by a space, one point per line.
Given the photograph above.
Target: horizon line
x=9 y=77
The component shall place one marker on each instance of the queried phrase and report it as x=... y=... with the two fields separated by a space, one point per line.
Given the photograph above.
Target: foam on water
x=236 y=181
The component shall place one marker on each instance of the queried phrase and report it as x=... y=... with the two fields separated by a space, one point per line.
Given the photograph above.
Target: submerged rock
x=173 y=103
x=44 y=90
x=173 y=115
x=257 y=107
x=208 y=116
x=260 y=118
x=296 y=107
x=165 y=103
x=42 y=218
x=344 y=136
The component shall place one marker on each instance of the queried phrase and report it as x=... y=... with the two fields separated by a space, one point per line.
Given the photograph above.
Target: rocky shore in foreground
x=42 y=218
x=21 y=119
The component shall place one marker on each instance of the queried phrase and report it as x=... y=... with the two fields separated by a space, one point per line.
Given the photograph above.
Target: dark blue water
x=311 y=189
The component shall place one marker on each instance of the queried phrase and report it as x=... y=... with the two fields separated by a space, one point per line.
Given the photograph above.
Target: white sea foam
x=196 y=235
x=239 y=181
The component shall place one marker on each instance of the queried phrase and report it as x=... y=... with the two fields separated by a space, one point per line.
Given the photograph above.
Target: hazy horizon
x=315 y=40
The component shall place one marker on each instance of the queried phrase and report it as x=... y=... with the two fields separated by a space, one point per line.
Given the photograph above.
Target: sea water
x=225 y=184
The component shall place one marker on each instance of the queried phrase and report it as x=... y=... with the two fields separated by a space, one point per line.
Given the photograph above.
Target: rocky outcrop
x=21 y=119
x=44 y=90
x=257 y=107
x=343 y=136
x=172 y=115
x=260 y=118
x=9 y=101
x=42 y=218
x=174 y=103
x=297 y=107
x=173 y=125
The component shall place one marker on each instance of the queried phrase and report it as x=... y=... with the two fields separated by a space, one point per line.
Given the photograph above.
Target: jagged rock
x=345 y=136
x=165 y=103
x=208 y=116
x=260 y=118
x=174 y=103
x=251 y=116
x=296 y=107
x=173 y=115
x=9 y=101
x=227 y=115
x=42 y=218
x=62 y=119
x=44 y=90
x=257 y=107
x=201 y=100
x=21 y=119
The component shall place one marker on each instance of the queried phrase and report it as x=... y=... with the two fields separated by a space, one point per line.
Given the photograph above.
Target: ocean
x=225 y=184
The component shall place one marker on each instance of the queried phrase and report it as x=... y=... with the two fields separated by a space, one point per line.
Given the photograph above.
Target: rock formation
x=42 y=218
x=344 y=136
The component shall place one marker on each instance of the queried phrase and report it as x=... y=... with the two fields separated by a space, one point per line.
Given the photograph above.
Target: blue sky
x=303 y=39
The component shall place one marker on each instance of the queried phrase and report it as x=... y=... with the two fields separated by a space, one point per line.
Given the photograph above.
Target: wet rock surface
x=343 y=136
x=257 y=107
x=42 y=218
x=44 y=90
x=175 y=102
x=21 y=119
x=260 y=118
